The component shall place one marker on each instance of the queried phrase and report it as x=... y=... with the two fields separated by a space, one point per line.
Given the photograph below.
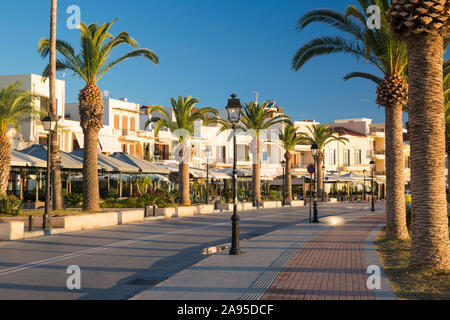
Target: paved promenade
x=304 y=262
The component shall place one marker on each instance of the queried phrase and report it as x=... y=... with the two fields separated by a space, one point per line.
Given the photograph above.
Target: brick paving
x=331 y=266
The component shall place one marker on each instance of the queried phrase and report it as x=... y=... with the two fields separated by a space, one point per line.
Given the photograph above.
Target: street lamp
x=323 y=183
x=315 y=152
x=234 y=108
x=283 y=164
x=365 y=172
x=372 y=167
x=49 y=124
x=207 y=155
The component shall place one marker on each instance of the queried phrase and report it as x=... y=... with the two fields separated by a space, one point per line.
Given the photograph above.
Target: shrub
x=10 y=206
x=109 y=194
x=73 y=200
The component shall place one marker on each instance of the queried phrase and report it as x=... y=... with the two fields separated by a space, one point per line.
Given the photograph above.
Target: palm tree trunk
x=288 y=181
x=256 y=179
x=184 y=184
x=395 y=179
x=91 y=194
x=5 y=163
x=319 y=182
x=58 y=197
x=430 y=236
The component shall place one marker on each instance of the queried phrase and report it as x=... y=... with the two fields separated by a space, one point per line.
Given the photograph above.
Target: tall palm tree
x=255 y=119
x=388 y=55
x=322 y=136
x=58 y=198
x=183 y=127
x=289 y=138
x=15 y=106
x=91 y=64
x=423 y=25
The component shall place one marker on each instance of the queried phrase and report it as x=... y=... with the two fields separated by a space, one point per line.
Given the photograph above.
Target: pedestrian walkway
x=305 y=262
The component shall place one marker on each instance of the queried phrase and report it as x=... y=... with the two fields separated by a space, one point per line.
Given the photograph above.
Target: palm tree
x=321 y=135
x=91 y=64
x=255 y=119
x=58 y=198
x=388 y=55
x=15 y=106
x=447 y=108
x=290 y=138
x=424 y=25
x=183 y=127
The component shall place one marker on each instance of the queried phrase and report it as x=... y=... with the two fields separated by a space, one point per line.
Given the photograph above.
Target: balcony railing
x=125 y=133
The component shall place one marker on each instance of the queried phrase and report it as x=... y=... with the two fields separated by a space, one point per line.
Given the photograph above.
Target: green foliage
x=162 y=199
x=10 y=206
x=97 y=44
x=106 y=194
x=15 y=106
x=228 y=195
x=73 y=200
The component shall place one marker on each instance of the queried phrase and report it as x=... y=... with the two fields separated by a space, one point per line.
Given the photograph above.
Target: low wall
x=205 y=209
x=186 y=211
x=91 y=221
x=12 y=230
x=166 y=212
x=271 y=204
x=56 y=222
x=132 y=216
x=296 y=203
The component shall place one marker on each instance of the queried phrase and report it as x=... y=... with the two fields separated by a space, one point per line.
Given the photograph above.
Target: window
x=358 y=156
x=332 y=158
x=132 y=149
x=133 y=124
x=124 y=122
x=124 y=148
x=346 y=157
x=243 y=152
x=221 y=154
x=116 y=121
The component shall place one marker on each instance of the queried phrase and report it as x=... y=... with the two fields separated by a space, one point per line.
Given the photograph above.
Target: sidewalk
x=307 y=261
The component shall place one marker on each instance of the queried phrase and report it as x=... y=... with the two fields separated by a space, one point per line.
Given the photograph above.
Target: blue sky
x=208 y=49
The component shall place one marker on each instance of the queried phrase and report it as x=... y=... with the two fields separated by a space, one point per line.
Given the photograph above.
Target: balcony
x=125 y=133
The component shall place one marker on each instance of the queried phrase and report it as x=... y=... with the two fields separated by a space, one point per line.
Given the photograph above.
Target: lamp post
x=49 y=124
x=365 y=172
x=283 y=164
x=372 y=167
x=323 y=183
x=207 y=155
x=234 y=108
x=315 y=152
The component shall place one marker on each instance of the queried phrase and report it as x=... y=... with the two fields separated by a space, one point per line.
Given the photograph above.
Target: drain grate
x=145 y=282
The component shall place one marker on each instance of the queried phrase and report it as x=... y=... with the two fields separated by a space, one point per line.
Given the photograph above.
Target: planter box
x=296 y=203
x=186 y=211
x=225 y=207
x=132 y=216
x=91 y=221
x=13 y=230
x=205 y=209
x=166 y=212
x=246 y=206
x=271 y=204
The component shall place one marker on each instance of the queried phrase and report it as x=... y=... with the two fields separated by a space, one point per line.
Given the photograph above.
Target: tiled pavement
x=331 y=266
x=306 y=261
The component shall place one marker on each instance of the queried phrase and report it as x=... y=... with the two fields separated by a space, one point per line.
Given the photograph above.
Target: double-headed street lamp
x=315 y=152
x=234 y=108
x=283 y=164
x=372 y=167
x=49 y=124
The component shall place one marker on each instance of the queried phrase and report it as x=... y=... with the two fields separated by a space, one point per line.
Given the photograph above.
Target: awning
x=108 y=163
x=80 y=139
x=109 y=144
x=144 y=165
x=68 y=161
x=22 y=160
